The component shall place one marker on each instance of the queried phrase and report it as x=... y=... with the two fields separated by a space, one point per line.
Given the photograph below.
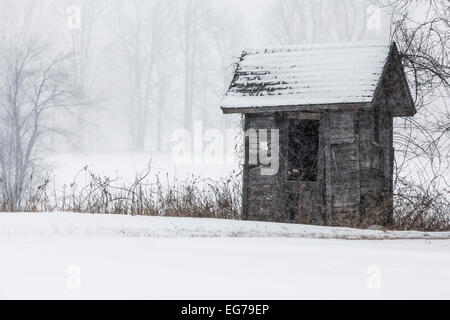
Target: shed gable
x=394 y=88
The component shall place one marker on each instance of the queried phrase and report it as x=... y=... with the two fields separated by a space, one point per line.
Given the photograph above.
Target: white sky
x=253 y=11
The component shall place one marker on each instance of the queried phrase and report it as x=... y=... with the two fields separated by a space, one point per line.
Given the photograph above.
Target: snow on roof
x=307 y=75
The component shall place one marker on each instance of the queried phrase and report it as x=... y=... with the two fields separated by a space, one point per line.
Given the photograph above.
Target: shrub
x=190 y=197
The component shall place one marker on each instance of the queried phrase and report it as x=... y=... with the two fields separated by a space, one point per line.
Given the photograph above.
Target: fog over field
x=139 y=70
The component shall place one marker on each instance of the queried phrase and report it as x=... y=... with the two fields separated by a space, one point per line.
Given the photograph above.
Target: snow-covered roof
x=307 y=75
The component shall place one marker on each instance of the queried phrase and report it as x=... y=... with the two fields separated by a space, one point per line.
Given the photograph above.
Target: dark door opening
x=303 y=150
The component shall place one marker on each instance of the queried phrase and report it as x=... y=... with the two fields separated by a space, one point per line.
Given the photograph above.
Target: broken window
x=303 y=151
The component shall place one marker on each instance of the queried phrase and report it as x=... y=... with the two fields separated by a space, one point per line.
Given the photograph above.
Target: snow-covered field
x=74 y=256
x=124 y=167
x=69 y=256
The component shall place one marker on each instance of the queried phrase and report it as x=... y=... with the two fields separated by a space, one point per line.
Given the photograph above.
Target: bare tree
x=193 y=25
x=293 y=22
x=228 y=37
x=164 y=73
x=422 y=32
x=139 y=28
x=288 y=22
x=85 y=15
x=351 y=19
x=33 y=80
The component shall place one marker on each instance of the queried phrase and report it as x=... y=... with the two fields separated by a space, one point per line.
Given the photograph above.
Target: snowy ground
x=85 y=256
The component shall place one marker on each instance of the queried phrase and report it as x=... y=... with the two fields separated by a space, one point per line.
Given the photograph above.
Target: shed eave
x=305 y=108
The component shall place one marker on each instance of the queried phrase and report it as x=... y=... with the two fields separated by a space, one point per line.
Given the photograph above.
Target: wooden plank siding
x=259 y=190
x=334 y=199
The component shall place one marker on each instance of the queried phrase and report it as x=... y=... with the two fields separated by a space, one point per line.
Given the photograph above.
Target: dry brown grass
x=415 y=207
x=421 y=208
x=191 y=197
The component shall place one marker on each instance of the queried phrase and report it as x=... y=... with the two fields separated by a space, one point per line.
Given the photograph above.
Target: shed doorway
x=302 y=186
x=303 y=150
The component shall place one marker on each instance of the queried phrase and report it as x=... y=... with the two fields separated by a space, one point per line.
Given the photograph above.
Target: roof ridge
x=307 y=47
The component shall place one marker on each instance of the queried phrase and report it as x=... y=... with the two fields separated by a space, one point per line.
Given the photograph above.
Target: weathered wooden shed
x=332 y=107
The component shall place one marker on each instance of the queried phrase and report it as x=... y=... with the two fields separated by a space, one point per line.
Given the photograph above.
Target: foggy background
x=144 y=68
